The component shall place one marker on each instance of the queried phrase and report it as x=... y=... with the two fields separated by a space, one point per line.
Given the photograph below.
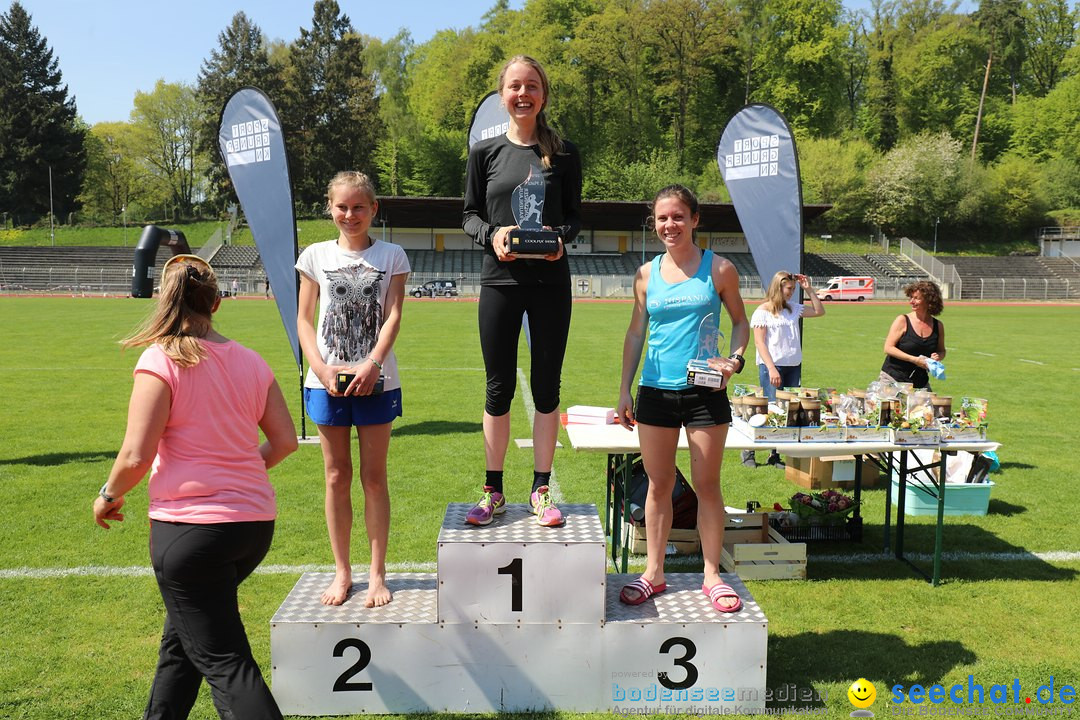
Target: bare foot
x=338 y=590
x=377 y=594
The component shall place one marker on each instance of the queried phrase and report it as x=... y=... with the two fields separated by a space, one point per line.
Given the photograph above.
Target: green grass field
x=81 y=616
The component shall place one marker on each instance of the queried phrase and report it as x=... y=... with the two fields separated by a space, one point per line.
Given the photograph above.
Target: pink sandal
x=644 y=589
x=718 y=591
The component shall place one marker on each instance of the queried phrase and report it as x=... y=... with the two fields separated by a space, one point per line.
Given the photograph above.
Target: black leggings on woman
x=198 y=568
x=501 y=306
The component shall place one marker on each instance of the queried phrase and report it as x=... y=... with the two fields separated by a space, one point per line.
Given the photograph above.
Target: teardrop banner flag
x=253 y=147
x=489 y=119
x=760 y=167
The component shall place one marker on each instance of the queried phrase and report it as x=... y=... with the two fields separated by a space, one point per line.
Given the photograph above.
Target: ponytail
x=188 y=297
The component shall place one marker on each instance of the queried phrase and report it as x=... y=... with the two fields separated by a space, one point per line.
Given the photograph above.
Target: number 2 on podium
x=514 y=571
x=343 y=683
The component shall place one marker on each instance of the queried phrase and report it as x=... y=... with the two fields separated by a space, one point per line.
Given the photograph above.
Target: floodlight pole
x=936 y=222
x=52 y=230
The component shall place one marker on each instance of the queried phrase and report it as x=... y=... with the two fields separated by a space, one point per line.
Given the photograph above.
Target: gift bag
x=683 y=498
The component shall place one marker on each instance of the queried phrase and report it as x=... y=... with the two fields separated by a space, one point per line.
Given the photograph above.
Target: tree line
x=907 y=115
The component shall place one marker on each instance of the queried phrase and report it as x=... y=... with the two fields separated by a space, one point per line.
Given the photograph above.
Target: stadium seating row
x=63 y=268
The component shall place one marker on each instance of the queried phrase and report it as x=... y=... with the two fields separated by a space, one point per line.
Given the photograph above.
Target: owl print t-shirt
x=352 y=296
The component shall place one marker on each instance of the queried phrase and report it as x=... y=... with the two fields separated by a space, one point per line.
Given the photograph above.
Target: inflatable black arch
x=142 y=273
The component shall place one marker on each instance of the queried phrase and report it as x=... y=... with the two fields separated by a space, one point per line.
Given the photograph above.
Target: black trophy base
x=699 y=373
x=528 y=243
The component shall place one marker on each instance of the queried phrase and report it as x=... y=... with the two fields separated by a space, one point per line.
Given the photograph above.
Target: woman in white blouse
x=777 y=341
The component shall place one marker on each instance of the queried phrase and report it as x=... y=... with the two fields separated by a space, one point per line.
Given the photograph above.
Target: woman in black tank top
x=915 y=337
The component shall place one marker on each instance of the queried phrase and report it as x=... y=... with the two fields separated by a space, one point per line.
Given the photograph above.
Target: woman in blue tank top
x=673 y=294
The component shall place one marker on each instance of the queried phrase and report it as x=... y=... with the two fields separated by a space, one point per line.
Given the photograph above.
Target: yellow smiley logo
x=862 y=693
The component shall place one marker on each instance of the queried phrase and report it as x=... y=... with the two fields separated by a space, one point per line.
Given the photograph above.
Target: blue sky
x=108 y=50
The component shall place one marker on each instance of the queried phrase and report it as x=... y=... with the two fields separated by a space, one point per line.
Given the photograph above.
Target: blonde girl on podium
x=358 y=283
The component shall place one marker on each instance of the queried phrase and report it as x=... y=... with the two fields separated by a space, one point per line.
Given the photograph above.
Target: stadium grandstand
x=603 y=259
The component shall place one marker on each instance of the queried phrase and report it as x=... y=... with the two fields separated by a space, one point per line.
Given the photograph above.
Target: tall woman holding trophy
x=676 y=297
x=517 y=186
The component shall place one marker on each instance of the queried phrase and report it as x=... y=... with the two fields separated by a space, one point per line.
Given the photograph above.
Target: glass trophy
x=529 y=239
x=698 y=371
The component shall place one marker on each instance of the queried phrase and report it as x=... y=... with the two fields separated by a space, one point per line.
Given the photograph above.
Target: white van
x=848 y=287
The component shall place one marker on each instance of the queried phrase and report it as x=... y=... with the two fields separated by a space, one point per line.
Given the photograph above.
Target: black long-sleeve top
x=496 y=167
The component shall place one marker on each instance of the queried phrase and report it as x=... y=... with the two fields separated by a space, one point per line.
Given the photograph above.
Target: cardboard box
x=927 y=437
x=590 y=415
x=755 y=551
x=828 y=472
x=775 y=434
x=960 y=498
x=821 y=433
x=952 y=433
x=867 y=434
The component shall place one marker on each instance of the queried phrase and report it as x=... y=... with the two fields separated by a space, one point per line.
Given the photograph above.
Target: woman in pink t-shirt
x=198 y=403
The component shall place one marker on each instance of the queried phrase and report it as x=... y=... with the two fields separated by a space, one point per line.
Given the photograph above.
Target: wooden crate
x=755 y=551
x=684 y=542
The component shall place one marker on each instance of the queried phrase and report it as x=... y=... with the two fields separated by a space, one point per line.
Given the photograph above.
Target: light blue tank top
x=675 y=313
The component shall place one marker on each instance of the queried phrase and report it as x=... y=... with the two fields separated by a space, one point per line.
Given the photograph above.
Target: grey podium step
x=519 y=618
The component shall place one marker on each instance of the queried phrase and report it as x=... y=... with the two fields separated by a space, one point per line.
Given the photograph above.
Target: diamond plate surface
x=414 y=601
x=682 y=602
x=518 y=525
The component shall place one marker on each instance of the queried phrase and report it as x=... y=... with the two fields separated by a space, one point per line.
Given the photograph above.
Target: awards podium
x=518 y=618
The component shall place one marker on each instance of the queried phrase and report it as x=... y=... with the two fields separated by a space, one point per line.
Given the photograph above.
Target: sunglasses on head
x=191 y=261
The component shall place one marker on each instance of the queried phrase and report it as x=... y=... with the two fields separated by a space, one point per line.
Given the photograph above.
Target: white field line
x=64 y=370
x=976 y=352
x=1033 y=362
x=147 y=571
x=1054 y=556
x=958 y=556
x=126 y=370
x=530 y=410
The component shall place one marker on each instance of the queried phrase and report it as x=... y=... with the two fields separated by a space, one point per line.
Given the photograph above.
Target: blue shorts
x=326 y=409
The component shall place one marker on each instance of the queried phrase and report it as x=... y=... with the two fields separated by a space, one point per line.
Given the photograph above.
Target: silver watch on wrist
x=105 y=496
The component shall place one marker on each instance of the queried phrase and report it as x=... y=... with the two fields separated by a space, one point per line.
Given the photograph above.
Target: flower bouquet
x=827 y=507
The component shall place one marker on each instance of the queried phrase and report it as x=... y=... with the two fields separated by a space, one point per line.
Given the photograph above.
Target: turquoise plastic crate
x=960 y=499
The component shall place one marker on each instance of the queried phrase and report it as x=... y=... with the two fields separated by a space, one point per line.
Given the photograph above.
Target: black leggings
x=198 y=568
x=501 y=306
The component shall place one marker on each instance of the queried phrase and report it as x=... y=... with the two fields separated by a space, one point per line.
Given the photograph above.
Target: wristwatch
x=740 y=358
x=105 y=496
